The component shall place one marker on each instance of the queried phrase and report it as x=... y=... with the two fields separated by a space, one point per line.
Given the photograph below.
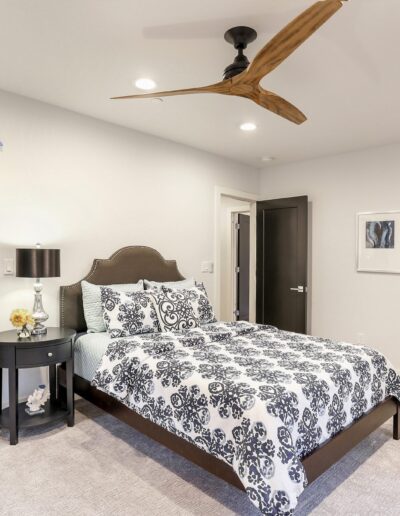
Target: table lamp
x=38 y=263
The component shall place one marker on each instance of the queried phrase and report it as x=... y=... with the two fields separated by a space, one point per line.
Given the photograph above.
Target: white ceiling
x=78 y=53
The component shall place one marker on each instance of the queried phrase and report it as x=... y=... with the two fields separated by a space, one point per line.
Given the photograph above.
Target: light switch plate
x=207 y=267
x=8 y=267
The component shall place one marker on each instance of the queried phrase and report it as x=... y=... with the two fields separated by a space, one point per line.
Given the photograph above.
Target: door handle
x=299 y=289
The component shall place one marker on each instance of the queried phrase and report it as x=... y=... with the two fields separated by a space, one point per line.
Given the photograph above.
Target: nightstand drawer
x=43 y=355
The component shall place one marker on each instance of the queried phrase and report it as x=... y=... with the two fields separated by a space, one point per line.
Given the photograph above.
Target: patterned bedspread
x=258 y=398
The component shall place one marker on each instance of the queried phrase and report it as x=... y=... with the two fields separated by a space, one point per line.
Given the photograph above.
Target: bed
x=131 y=264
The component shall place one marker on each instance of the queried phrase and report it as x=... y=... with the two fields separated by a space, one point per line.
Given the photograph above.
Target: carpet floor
x=102 y=466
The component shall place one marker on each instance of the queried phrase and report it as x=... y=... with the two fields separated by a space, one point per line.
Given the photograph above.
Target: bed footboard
x=396 y=424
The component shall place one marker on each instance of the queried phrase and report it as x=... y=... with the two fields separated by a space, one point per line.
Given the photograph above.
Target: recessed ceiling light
x=145 y=84
x=248 y=126
x=267 y=158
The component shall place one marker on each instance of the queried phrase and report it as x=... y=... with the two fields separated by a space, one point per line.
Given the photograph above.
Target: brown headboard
x=128 y=265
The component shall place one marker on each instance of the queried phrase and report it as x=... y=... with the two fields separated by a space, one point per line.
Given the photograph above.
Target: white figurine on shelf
x=38 y=398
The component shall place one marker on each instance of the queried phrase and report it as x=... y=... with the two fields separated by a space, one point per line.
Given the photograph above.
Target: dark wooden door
x=243 y=262
x=282 y=243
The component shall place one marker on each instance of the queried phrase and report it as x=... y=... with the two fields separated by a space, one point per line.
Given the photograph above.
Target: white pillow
x=92 y=308
x=186 y=283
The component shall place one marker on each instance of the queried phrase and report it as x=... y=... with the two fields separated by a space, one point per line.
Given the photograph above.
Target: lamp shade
x=38 y=263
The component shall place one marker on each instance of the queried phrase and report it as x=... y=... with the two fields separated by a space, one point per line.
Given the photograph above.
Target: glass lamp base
x=39 y=329
x=38 y=312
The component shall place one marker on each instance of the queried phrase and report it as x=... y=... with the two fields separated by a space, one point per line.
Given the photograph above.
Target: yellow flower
x=20 y=317
x=30 y=321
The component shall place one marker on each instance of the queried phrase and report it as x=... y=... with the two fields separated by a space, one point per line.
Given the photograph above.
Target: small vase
x=23 y=333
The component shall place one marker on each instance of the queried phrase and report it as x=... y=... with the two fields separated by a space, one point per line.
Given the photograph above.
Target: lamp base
x=39 y=329
x=38 y=313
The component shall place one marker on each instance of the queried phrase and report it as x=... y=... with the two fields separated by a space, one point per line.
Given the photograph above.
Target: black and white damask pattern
x=128 y=314
x=204 y=306
x=198 y=299
x=258 y=398
x=173 y=310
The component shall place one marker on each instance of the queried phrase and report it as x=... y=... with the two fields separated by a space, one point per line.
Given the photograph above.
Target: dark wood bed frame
x=131 y=264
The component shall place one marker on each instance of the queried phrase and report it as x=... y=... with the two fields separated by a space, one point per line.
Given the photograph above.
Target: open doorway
x=241 y=269
x=235 y=255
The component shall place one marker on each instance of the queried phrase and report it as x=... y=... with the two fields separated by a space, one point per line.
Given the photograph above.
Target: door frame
x=252 y=199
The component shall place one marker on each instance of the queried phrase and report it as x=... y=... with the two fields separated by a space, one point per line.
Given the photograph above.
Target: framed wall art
x=378 y=242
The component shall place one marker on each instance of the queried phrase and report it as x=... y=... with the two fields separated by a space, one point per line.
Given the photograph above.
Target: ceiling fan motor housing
x=239 y=37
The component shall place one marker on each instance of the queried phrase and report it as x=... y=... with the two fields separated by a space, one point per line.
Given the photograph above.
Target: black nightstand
x=42 y=350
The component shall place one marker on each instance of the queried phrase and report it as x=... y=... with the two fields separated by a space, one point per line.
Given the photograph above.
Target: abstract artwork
x=377 y=246
x=380 y=234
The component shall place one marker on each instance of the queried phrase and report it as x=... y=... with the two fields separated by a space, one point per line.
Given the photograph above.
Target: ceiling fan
x=242 y=79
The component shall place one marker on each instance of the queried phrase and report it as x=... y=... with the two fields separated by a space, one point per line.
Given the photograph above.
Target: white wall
x=89 y=188
x=346 y=303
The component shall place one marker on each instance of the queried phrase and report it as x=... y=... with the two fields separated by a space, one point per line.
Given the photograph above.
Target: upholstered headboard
x=128 y=265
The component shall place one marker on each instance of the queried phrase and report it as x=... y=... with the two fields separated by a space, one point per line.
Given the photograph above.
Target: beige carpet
x=104 y=467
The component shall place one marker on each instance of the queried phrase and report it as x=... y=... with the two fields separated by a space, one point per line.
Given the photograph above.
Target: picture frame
x=378 y=242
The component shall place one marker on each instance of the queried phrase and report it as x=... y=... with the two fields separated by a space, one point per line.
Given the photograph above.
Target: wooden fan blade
x=220 y=87
x=289 y=39
x=277 y=105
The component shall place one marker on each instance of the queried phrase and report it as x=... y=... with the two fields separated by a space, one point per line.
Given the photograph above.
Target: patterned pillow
x=202 y=308
x=173 y=309
x=127 y=314
x=91 y=296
